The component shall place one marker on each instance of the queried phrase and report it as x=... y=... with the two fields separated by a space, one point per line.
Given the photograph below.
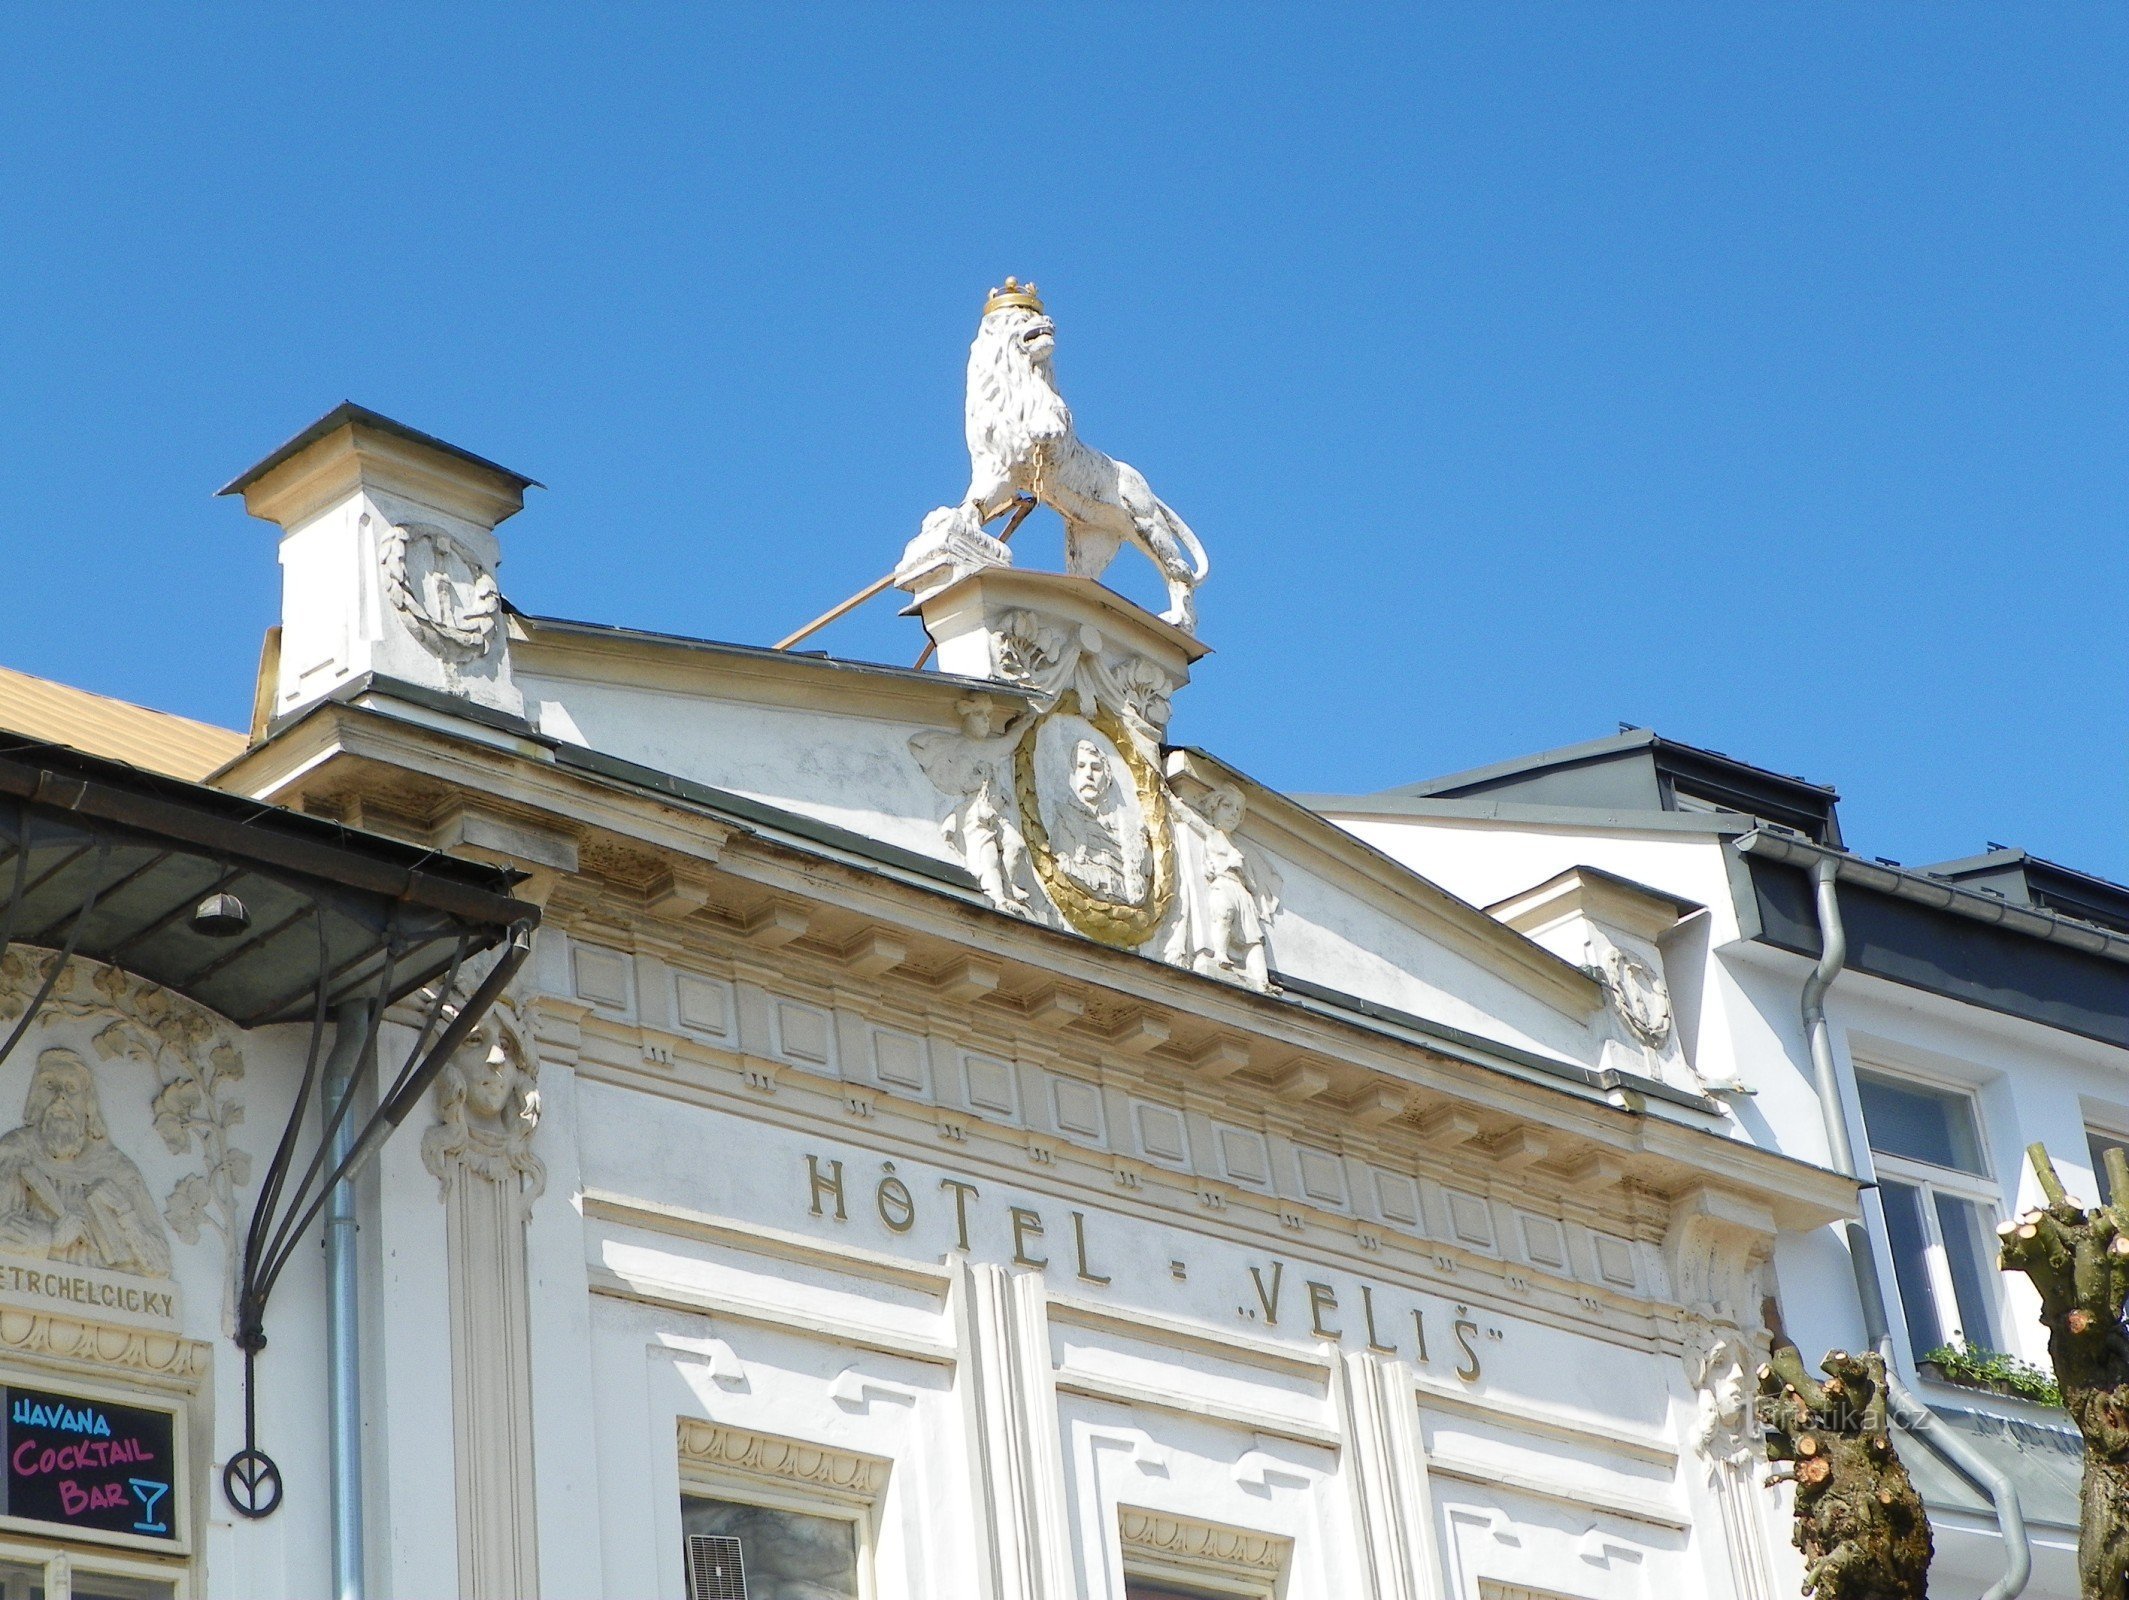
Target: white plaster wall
x=653 y=1363
x=565 y=1423
x=1486 y=862
x=413 y=1530
x=854 y=771
x=1327 y=936
x=287 y=1553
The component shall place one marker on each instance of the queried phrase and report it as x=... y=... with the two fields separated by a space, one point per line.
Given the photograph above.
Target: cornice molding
x=718 y=1450
x=83 y=1344
x=1171 y=1537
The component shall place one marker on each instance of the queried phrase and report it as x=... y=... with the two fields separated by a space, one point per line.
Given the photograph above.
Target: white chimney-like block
x=388 y=560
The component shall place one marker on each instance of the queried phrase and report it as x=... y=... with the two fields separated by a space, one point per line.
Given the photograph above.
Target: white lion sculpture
x=1021 y=443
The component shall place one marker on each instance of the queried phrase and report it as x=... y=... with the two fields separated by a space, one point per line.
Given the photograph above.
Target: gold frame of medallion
x=1125 y=925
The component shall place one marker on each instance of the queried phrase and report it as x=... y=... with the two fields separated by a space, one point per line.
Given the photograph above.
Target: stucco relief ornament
x=1095 y=815
x=487 y=1106
x=447 y=596
x=1022 y=445
x=981 y=828
x=1639 y=995
x=198 y=1074
x=1719 y=1364
x=1235 y=895
x=1089 y=821
x=66 y=1192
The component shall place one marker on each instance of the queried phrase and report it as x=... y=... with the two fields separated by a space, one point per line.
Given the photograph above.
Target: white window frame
x=743 y=1467
x=60 y=1564
x=1981 y=1189
x=2108 y=1127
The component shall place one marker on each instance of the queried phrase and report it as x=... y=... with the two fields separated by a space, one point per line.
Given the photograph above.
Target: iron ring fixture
x=252 y=1483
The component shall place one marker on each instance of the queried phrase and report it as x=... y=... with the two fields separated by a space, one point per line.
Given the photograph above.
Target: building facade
x=944 y=1140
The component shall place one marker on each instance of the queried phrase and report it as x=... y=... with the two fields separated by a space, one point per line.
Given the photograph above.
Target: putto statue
x=1022 y=447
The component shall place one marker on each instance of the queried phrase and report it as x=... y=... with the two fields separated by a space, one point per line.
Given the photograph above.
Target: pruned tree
x=2079 y=1261
x=1859 y=1522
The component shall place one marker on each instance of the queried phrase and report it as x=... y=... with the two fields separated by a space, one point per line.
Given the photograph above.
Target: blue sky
x=1753 y=373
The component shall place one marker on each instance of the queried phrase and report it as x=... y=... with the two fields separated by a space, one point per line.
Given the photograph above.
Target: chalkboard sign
x=88 y=1465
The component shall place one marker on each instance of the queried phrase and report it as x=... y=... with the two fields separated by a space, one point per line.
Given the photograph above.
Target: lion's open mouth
x=1037 y=332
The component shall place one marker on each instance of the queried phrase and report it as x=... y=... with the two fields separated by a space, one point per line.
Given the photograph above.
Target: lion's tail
x=1188 y=540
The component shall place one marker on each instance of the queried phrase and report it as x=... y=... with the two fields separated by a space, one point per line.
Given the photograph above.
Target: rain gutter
x=1911 y=1411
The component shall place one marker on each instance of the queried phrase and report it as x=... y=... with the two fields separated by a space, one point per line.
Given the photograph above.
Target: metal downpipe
x=1911 y=1411
x=342 y=1310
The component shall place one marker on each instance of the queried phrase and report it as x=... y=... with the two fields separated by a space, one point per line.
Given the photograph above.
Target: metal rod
x=826 y=617
x=412 y=1084
x=118 y=952
x=251 y=1304
x=59 y=963
x=289 y=997
x=50 y=873
x=335 y=1113
x=22 y=864
x=354 y=1036
x=265 y=837
x=44 y=935
x=248 y=947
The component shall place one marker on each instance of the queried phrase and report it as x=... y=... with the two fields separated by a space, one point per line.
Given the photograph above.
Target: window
x=1940 y=1209
x=2101 y=1141
x=26 y=1573
x=737 y=1551
x=764 y=1517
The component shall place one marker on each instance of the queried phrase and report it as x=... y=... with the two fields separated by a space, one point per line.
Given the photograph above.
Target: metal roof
x=2021 y=878
x=155 y=741
x=348 y=412
x=566 y=626
x=1639 y=769
x=107 y=862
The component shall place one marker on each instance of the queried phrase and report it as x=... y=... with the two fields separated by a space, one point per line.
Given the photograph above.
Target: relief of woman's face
x=1090 y=773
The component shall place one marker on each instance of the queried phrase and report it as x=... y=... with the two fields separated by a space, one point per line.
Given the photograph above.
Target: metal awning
x=108 y=862
x=262 y=915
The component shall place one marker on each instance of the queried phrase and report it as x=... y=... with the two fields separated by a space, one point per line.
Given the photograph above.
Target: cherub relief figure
x=66 y=1192
x=1241 y=895
x=979 y=828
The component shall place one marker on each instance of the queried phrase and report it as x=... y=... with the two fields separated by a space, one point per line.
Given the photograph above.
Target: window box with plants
x=1991 y=1372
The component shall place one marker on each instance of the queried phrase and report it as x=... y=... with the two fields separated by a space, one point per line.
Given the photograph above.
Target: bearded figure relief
x=66 y=1192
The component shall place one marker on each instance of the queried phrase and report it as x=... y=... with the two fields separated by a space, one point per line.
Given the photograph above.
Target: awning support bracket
x=251 y=1481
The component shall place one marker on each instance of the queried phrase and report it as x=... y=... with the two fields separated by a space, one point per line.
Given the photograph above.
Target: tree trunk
x=2079 y=1261
x=1859 y=1521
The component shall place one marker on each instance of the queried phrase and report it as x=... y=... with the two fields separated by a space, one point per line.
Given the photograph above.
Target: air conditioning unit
x=715 y=1569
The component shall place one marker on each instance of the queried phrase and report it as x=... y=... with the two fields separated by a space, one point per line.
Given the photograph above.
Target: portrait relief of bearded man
x=1092 y=835
x=66 y=1192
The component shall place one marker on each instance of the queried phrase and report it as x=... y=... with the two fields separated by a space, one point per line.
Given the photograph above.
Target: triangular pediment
x=1176 y=856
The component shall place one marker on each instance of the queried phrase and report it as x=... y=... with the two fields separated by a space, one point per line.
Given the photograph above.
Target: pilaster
x=1016 y=1457
x=480 y=1151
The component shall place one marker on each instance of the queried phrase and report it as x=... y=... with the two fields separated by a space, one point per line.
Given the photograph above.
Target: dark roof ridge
x=347 y=412
x=1594 y=750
